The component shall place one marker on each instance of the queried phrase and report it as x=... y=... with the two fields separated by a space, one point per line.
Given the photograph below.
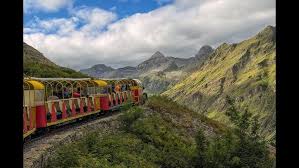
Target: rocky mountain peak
x=157 y=54
x=204 y=51
x=268 y=34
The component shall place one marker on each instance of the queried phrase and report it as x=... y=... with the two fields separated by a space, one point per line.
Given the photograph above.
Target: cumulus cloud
x=46 y=5
x=92 y=35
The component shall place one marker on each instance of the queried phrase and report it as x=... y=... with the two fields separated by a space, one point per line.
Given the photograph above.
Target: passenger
x=66 y=93
x=76 y=94
x=113 y=88
x=104 y=90
x=123 y=88
x=84 y=93
x=117 y=88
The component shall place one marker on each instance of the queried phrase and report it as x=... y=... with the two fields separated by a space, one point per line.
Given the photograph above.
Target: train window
x=101 y=90
x=39 y=97
x=98 y=90
x=91 y=90
x=29 y=97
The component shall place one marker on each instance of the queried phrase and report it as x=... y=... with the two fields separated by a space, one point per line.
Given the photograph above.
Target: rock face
x=156 y=62
x=204 y=51
x=244 y=71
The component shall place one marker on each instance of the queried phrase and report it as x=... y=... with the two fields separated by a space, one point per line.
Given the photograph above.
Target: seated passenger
x=117 y=88
x=84 y=92
x=76 y=94
x=123 y=88
x=104 y=91
x=66 y=93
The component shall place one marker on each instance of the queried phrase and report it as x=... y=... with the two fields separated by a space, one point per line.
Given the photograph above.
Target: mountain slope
x=37 y=65
x=245 y=72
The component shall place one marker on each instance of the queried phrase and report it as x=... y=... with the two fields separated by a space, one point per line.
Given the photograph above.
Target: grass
x=145 y=139
x=156 y=136
x=245 y=84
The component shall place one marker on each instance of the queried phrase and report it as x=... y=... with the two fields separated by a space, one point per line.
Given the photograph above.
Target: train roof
x=60 y=79
x=50 y=81
x=102 y=82
x=34 y=85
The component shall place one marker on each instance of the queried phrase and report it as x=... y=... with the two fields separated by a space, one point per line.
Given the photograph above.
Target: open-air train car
x=55 y=101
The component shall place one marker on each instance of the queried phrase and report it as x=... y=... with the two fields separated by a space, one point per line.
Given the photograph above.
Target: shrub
x=130 y=116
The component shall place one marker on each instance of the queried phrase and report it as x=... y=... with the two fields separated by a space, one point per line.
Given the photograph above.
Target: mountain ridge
x=244 y=71
x=159 y=71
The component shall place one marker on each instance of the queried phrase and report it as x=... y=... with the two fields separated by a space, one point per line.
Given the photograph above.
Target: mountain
x=124 y=72
x=98 y=70
x=37 y=65
x=160 y=72
x=31 y=55
x=103 y=71
x=157 y=73
x=204 y=51
x=245 y=72
x=199 y=58
x=157 y=62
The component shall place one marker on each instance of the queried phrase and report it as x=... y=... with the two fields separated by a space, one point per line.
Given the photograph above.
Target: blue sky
x=81 y=33
x=123 y=8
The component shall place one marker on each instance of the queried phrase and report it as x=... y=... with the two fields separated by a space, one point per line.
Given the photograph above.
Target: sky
x=81 y=33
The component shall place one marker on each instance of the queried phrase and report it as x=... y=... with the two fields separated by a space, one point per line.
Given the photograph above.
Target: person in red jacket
x=77 y=93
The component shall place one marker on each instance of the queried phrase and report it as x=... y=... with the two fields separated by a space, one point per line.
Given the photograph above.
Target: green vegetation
x=159 y=135
x=245 y=71
x=240 y=147
x=48 y=71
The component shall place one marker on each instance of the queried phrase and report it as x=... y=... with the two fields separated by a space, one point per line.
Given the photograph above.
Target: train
x=52 y=102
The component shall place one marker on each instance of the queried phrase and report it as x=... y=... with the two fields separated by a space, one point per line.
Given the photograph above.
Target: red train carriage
x=67 y=99
x=56 y=101
x=137 y=92
x=115 y=94
x=124 y=91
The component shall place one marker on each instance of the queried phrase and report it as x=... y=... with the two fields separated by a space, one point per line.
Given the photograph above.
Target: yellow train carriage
x=32 y=99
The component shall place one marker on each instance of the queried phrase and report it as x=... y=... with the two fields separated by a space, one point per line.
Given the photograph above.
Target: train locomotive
x=51 y=102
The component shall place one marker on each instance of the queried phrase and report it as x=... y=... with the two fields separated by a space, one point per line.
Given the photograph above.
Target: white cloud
x=46 y=5
x=91 y=35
